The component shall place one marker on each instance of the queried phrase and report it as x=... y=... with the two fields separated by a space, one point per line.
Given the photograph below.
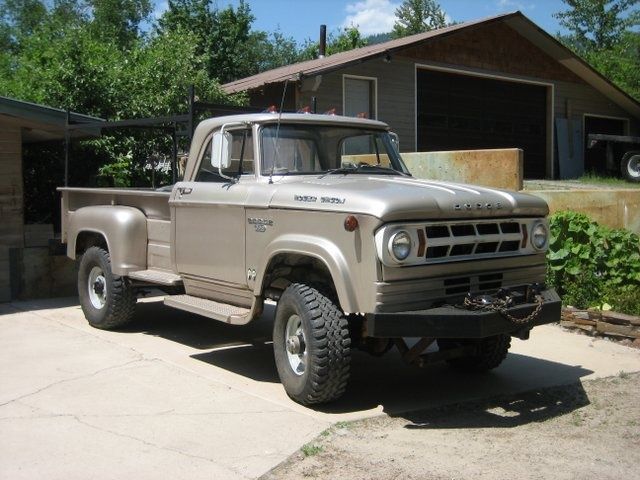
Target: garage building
x=499 y=82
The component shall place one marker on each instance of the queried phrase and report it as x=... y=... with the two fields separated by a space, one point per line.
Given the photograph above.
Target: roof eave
x=523 y=25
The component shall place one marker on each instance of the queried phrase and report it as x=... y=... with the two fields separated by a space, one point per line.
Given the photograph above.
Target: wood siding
x=576 y=100
x=11 y=187
x=495 y=47
x=395 y=94
x=494 y=50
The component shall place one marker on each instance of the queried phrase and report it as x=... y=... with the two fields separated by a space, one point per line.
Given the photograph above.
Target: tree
x=194 y=16
x=597 y=24
x=21 y=17
x=605 y=34
x=417 y=16
x=101 y=64
x=340 y=41
x=272 y=50
x=224 y=36
x=118 y=20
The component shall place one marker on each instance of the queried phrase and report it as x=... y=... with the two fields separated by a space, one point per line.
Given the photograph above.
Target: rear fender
x=123 y=228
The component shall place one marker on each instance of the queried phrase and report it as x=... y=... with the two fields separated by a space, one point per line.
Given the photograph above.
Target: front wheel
x=311 y=345
x=630 y=166
x=490 y=352
x=107 y=300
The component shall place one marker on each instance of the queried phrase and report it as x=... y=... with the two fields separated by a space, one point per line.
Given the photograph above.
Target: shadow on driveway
x=387 y=381
x=505 y=411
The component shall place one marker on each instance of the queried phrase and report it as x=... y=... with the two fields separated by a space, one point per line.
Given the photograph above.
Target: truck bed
x=153 y=203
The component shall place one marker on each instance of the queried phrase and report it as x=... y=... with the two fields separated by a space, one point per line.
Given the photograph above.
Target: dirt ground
x=581 y=431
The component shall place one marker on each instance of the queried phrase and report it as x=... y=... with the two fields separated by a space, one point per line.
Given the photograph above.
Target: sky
x=301 y=19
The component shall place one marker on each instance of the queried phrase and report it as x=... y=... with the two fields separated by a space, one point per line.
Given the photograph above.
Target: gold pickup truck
x=319 y=214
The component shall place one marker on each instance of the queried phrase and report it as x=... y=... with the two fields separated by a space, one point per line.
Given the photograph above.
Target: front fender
x=321 y=249
x=123 y=228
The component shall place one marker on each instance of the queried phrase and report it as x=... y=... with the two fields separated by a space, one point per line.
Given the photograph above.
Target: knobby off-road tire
x=491 y=352
x=107 y=300
x=630 y=166
x=318 y=372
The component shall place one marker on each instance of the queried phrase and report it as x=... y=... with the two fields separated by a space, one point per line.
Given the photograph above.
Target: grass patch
x=311 y=449
x=576 y=418
x=344 y=425
x=609 y=181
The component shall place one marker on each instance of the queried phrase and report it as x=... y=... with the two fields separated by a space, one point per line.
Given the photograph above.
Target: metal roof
x=42 y=123
x=215 y=122
x=342 y=59
x=516 y=20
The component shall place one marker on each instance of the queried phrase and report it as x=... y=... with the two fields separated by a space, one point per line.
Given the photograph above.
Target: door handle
x=185 y=190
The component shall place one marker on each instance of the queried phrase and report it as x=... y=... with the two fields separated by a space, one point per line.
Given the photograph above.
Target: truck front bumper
x=455 y=322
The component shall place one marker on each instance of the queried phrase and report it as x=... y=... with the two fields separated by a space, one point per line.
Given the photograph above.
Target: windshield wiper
x=280 y=171
x=384 y=169
x=345 y=169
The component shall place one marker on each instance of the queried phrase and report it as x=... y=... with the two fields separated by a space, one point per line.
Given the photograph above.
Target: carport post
x=191 y=110
x=66 y=149
x=174 y=160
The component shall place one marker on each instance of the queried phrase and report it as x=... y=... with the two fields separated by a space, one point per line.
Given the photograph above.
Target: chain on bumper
x=503 y=301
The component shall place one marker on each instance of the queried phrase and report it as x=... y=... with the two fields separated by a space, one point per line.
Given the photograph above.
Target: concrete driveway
x=180 y=396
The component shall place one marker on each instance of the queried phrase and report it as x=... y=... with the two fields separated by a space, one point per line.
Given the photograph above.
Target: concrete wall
x=43 y=275
x=613 y=208
x=500 y=168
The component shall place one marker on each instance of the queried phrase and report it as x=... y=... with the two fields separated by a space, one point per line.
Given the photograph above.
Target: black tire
x=325 y=345
x=630 y=166
x=491 y=352
x=117 y=297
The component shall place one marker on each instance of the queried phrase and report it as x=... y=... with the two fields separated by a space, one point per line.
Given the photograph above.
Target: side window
x=241 y=158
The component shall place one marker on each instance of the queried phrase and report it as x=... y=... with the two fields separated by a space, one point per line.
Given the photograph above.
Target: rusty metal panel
x=610 y=207
x=500 y=168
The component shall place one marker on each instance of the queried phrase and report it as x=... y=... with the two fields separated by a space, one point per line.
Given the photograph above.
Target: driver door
x=209 y=222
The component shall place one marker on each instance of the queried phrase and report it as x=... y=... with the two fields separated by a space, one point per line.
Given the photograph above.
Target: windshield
x=317 y=149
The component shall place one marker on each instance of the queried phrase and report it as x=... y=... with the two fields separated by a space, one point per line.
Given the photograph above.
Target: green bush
x=590 y=265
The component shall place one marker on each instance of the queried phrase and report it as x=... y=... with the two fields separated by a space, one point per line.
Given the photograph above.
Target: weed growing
x=591 y=265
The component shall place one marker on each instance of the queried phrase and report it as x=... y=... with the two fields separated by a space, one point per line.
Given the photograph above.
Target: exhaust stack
x=323 y=41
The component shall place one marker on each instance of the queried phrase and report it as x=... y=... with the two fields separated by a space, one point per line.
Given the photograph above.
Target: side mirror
x=395 y=140
x=221 y=150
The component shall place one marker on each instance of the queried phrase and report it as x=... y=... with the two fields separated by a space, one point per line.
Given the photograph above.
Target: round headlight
x=539 y=235
x=400 y=245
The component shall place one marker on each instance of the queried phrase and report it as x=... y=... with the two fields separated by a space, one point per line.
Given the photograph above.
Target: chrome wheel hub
x=295 y=344
x=634 y=166
x=97 y=287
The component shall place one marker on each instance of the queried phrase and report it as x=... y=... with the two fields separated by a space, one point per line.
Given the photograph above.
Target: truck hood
x=393 y=198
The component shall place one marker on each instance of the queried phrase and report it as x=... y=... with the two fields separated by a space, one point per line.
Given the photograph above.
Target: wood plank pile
x=599 y=322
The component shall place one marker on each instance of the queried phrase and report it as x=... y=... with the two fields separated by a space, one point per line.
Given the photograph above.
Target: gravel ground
x=581 y=431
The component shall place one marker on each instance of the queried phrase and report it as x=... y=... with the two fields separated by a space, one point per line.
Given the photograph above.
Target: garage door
x=595 y=158
x=460 y=112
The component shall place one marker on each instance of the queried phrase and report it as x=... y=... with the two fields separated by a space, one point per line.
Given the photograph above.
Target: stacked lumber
x=599 y=322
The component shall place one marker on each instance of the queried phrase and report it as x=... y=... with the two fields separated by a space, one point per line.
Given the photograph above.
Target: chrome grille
x=467 y=240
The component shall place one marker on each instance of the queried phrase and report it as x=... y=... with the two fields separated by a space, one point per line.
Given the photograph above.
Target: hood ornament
x=477 y=206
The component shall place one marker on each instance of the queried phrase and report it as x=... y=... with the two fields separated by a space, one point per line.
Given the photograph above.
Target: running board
x=159 y=277
x=222 y=312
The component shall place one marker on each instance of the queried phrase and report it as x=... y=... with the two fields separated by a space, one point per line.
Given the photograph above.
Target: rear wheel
x=107 y=300
x=490 y=352
x=312 y=346
x=630 y=166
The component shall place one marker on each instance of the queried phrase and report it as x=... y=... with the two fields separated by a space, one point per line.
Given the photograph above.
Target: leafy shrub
x=590 y=264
